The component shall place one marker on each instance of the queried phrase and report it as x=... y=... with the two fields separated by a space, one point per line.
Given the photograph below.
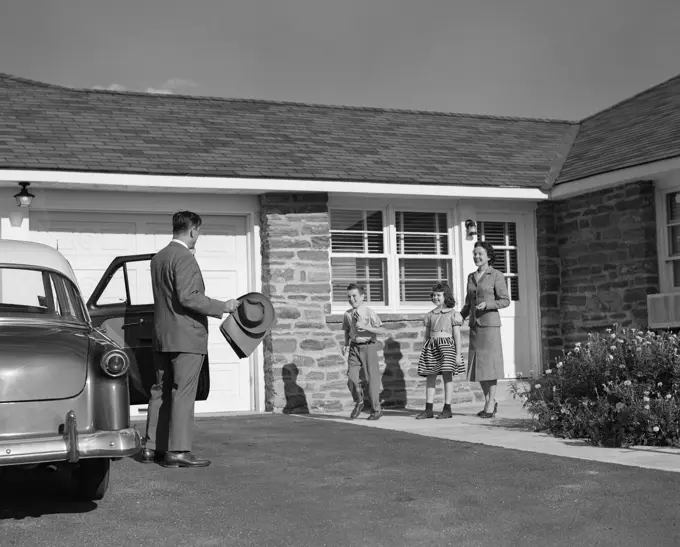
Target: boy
x=361 y=325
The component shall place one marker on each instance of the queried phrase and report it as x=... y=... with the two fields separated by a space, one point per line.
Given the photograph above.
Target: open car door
x=121 y=306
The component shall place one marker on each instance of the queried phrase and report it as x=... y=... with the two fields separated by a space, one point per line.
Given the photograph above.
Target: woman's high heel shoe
x=485 y=414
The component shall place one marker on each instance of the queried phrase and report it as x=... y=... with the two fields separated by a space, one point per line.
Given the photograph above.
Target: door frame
x=528 y=263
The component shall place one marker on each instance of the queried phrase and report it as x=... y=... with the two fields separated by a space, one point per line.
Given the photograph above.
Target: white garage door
x=91 y=241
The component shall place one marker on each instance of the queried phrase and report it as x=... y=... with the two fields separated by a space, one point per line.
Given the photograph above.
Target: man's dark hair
x=359 y=288
x=183 y=221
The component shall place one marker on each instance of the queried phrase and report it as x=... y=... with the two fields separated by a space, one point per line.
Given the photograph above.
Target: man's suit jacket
x=491 y=289
x=181 y=308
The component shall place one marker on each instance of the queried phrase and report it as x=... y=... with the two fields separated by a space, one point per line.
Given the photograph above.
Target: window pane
x=676 y=273
x=359 y=232
x=422 y=233
x=114 y=292
x=20 y=287
x=71 y=308
x=673 y=207
x=674 y=240
x=369 y=272
x=513 y=287
x=416 y=277
x=347 y=220
x=494 y=232
x=139 y=277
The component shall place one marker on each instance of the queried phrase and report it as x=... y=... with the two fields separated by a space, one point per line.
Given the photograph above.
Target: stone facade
x=304 y=368
x=597 y=262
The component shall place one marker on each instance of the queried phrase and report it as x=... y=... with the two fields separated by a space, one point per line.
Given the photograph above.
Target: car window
x=29 y=292
x=139 y=276
x=114 y=292
x=69 y=300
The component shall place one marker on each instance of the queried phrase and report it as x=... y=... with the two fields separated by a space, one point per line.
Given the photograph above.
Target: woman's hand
x=481 y=306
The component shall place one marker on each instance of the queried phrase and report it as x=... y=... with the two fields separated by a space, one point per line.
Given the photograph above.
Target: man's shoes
x=150 y=456
x=376 y=414
x=357 y=410
x=184 y=459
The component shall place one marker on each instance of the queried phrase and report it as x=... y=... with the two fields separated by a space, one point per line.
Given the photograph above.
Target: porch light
x=24 y=198
x=471 y=227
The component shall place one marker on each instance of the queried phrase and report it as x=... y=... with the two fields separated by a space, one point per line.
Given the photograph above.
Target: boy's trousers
x=366 y=356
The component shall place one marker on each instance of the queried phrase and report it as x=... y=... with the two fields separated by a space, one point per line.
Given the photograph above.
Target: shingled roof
x=639 y=130
x=48 y=127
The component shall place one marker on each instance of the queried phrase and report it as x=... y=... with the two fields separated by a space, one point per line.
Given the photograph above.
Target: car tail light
x=115 y=363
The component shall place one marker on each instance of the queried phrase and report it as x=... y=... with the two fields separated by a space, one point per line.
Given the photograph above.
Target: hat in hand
x=245 y=328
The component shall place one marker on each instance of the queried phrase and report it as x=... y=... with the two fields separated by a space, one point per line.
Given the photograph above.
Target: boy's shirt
x=353 y=320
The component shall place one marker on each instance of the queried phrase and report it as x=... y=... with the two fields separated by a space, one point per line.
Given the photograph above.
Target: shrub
x=620 y=388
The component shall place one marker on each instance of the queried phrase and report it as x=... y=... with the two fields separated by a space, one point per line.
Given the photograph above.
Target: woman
x=486 y=294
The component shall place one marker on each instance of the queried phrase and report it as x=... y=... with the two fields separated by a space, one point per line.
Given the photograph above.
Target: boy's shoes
x=357 y=410
x=425 y=414
x=376 y=414
x=445 y=414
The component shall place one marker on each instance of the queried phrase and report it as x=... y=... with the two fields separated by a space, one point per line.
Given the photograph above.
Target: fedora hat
x=245 y=328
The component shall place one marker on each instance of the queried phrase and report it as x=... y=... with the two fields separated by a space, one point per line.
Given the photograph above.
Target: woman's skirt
x=439 y=355
x=486 y=354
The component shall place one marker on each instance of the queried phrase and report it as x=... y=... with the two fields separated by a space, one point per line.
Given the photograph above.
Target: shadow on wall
x=296 y=401
x=393 y=394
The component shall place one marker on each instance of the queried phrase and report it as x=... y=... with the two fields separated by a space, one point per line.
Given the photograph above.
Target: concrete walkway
x=511 y=429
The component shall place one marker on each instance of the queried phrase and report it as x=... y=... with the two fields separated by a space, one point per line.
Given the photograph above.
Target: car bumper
x=71 y=446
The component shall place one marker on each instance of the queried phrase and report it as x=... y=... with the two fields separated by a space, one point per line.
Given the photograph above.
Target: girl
x=441 y=354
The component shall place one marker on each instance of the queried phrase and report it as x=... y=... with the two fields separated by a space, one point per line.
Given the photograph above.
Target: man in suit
x=180 y=341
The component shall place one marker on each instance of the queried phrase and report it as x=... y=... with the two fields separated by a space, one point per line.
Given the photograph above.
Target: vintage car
x=64 y=386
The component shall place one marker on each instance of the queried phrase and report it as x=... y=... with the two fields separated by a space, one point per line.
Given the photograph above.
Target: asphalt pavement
x=301 y=481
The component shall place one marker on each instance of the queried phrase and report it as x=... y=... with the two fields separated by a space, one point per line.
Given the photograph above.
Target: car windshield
x=34 y=293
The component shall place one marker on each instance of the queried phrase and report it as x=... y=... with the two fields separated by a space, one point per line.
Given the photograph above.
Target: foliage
x=619 y=388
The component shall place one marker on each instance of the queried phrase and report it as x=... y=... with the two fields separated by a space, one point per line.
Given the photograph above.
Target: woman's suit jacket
x=491 y=289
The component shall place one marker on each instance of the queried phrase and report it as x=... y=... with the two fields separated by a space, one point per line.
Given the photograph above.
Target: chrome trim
x=71 y=437
x=100 y=444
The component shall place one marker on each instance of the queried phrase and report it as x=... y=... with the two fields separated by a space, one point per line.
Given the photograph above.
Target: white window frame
x=390 y=247
x=665 y=261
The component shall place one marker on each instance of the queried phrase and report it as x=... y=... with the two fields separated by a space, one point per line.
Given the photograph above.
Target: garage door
x=91 y=241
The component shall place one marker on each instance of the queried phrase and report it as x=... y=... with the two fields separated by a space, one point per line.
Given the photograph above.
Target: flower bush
x=621 y=387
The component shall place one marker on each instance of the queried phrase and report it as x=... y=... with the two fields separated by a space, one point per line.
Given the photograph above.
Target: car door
x=121 y=306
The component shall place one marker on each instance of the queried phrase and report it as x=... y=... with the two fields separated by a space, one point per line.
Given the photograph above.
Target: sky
x=536 y=58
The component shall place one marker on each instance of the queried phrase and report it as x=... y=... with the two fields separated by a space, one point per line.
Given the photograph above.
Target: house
x=299 y=200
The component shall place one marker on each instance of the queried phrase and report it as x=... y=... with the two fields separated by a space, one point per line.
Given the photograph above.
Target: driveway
x=299 y=481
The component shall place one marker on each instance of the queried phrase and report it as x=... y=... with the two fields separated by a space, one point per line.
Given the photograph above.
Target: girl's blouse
x=441 y=321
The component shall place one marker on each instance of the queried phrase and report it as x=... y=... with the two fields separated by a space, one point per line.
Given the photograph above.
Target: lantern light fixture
x=24 y=198
x=471 y=227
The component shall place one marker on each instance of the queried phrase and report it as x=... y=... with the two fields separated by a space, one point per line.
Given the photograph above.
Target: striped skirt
x=439 y=355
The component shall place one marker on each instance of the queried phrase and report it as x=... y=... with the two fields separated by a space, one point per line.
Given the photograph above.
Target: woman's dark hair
x=443 y=287
x=488 y=248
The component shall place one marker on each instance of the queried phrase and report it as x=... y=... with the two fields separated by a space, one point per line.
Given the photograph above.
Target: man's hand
x=362 y=339
x=230 y=306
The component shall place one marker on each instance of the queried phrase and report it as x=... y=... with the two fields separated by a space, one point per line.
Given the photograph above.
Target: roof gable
x=638 y=130
x=56 y=128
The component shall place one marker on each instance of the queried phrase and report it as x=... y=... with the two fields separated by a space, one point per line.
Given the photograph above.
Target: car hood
x=42 y=361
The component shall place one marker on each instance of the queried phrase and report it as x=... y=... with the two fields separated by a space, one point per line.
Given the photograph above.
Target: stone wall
x=304 y=368
x=599 y=250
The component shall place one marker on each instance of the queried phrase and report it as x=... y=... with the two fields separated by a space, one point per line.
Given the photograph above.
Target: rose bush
x=621 y=387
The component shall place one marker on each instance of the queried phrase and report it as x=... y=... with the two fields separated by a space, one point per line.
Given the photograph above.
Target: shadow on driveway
x=34 y=493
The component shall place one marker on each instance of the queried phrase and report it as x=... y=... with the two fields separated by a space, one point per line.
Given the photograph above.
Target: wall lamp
x=471 y=227
x=24 y=198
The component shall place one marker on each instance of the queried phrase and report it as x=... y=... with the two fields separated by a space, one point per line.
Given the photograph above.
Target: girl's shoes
x=445 y=414
x=425 y=414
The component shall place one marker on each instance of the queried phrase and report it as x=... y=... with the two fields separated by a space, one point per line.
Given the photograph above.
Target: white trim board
x=118 y=181
x=614 y=178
